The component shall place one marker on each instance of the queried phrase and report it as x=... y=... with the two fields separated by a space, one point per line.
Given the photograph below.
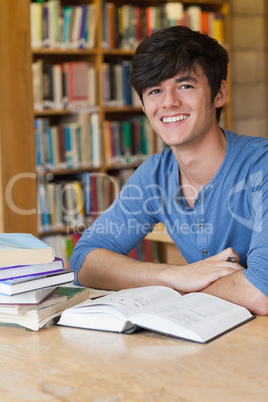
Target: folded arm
x=237 y=289
x=107 y=269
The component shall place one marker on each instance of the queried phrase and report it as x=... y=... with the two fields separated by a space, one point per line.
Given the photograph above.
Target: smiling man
x=209 y=188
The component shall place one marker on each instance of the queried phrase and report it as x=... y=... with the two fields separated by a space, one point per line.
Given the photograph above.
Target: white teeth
x=174 y=118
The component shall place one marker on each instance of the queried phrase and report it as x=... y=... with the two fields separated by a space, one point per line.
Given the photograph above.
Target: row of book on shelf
x=125 y=26
x=116 y=88
x=69 y=85
x=72 y=85
x=76 y=203
x=77 y=142
x=130 y=141
x=147 y=250
x=36 y=285
x=82 y=197
x=65 y=27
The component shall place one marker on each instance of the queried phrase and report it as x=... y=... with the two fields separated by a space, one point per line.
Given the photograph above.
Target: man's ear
x=142 y=105
x=221 y=96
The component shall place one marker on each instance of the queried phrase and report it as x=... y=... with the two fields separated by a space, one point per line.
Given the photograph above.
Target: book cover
x=29 y=270
x=32 y=297
x=23 y=249
x=25 y=284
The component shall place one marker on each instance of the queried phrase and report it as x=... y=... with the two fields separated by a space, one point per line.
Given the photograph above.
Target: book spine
x=127 y=94
x=96 y=140
x=67 y=26
x=92 y=26
x=36 y=11
x=82 y=38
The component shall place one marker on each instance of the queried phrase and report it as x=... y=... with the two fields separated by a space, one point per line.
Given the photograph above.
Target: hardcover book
x=36 y=317
x=196 y=317
x=33 y=269
x=23 y=249
x=27 y=283
x=28 y=298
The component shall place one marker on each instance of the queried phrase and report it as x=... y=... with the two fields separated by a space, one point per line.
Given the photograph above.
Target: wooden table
x=67 y=364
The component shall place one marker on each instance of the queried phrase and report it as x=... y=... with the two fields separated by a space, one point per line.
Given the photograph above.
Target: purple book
x=20 y=271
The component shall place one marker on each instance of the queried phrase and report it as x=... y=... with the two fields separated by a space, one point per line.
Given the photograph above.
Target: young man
x=208 y=188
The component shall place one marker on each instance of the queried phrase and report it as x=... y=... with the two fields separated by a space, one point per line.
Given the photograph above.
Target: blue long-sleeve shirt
x=230 y=211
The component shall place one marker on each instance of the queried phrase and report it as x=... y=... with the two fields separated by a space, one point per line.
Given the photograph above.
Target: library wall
x=73 y=155
x=248 y=67
x=248 y=76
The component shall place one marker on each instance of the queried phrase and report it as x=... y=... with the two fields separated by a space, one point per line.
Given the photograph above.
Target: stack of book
x=30 y=282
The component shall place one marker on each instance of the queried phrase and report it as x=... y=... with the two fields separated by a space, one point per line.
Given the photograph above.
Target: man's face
x=180 y=109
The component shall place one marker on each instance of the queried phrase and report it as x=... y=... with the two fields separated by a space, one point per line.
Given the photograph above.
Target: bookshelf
x=101 y=56
x=18 y=199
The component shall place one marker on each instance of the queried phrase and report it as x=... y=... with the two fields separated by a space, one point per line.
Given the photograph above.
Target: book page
x=196 y=316
x=112 y=312
x=131 y=301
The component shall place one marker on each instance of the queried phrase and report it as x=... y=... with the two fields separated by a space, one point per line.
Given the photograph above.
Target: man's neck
x=198 y=163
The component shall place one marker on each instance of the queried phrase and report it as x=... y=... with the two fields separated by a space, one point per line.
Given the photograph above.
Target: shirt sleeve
x=257 y=259
x=123 y=225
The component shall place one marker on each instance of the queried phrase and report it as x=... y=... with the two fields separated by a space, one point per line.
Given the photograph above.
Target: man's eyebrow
x=177 y=80
x=185 y=78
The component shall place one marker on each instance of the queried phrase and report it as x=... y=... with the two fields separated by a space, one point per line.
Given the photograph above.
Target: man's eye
x=186 y=86
x=155 y=91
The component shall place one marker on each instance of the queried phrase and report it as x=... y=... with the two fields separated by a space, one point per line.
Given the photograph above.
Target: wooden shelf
x=58 y=112
x=61 y=172
x=159 y=234
x=59 y=51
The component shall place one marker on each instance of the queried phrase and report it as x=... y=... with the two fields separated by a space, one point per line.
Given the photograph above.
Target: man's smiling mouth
x=174 y=119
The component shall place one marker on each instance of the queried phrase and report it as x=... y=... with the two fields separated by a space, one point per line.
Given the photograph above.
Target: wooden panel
x=159 y=234
x=170 y=254
x=17 y=163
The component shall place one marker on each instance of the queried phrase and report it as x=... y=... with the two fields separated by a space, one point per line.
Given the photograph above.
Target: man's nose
x=171 y=98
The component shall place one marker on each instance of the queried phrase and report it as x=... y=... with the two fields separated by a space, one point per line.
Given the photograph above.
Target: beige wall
x=248 y=67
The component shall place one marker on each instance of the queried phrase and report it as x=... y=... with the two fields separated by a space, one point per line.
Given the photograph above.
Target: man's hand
x=197 y=276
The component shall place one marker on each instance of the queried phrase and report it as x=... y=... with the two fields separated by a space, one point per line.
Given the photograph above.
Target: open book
x=196 y=316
